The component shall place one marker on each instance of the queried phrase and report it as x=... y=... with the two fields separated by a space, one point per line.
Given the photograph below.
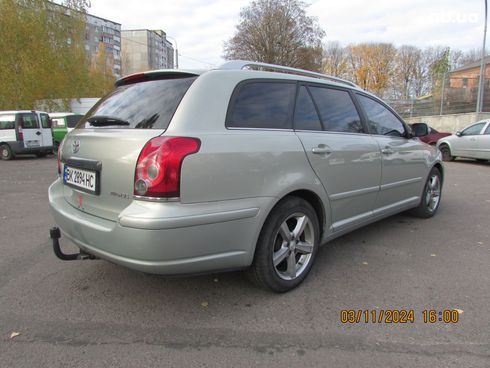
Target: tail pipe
x=55 y=235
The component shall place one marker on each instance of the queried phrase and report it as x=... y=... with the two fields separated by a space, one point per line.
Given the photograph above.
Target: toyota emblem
x=76 y=145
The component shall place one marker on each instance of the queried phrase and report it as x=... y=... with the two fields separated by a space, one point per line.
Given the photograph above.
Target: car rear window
x=262 y=105
x=7 y=122
x=144 y=105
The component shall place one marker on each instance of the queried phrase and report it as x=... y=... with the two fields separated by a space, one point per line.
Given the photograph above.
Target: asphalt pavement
x=96 y=314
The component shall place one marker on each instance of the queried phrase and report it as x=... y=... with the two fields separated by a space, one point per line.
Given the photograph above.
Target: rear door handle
x=322 y=149
x=387 y=151
x=38 y=133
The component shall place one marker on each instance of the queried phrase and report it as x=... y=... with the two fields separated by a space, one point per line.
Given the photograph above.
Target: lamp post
x=176 y=52
x=481 y=85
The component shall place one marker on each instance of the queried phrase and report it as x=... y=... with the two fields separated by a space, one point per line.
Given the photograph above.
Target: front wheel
x=431 y=197
x=446 y=153
x=6 y=152
x=287 y=246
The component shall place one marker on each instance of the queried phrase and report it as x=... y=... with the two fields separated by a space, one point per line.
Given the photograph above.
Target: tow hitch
x=55 y=235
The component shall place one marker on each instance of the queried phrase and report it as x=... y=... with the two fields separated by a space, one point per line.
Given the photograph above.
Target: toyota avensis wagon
x=178 y=172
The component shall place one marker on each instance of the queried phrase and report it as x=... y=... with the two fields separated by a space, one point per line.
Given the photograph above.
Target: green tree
x=43 y=52
x=278 y=32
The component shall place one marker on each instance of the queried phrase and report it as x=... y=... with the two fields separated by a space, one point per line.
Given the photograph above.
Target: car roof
x=61 y=114
x=21 y=111
x=244 y=67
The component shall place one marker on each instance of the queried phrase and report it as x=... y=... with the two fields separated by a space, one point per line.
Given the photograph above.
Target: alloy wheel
x=293 y=246
x=433 y=192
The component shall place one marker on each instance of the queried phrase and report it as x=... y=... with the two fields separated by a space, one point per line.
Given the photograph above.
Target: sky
x=201 y=27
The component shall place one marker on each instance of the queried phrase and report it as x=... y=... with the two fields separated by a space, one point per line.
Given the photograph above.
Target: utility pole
x=442 y=92
x=481 y=85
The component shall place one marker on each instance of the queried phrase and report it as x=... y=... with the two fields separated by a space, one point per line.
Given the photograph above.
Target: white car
x=471 y=142
x=23 y=132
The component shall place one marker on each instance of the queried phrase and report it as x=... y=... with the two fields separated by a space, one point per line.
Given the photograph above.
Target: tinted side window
x=473 y=130
x=73 y=120
x=337 y=111
x=7 y=122
x=381 y=120
x=305 y=115
x=29 y=121
x=262 y=105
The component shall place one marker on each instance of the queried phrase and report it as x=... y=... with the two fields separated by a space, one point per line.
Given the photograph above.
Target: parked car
x=23 y=132
x=471 y=142
x=426 y=133
x=63 y=122
x=179 y=172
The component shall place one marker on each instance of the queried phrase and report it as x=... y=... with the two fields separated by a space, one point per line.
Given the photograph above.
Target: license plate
x=31 y=144
x=84 y=180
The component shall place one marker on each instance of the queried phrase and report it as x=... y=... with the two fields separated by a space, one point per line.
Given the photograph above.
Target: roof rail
x=242 y=64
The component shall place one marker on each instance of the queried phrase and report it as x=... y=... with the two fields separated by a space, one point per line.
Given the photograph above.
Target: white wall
x=449 y=123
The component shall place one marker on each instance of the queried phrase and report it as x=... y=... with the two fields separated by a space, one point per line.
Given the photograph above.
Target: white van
x=23 y=132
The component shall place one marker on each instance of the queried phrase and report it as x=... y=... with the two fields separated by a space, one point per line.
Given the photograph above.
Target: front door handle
x=38 y=133
x=321 y=149
x=387 y=151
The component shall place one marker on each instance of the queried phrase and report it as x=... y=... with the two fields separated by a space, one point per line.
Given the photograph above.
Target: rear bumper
x=19 y=149
x=168 y=237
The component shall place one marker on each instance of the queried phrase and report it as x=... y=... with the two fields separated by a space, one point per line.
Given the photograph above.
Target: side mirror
x=420 y=129
x=50 y=123
x=458 y=133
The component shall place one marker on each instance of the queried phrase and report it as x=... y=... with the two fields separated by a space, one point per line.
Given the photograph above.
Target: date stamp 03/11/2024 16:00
x=429 y=316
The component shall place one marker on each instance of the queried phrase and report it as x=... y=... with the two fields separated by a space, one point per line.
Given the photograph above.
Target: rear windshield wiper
x=106 y=120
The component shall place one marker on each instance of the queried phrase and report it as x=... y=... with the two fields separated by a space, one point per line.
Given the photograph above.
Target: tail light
x=159 y=165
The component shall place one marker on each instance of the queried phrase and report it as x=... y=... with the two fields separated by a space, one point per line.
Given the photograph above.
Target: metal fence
x=455 y=96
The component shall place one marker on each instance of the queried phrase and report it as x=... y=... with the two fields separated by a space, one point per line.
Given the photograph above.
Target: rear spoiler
x=156 y=75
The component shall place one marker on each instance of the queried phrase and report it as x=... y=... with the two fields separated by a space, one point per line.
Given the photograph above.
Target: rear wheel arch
x=309 y=196
x=314 y=200
x=439 y=166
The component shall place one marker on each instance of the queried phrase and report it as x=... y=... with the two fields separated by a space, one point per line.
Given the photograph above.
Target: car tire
x=287 y=246
x=431 y=197
x=446 y=152
x=6 y=152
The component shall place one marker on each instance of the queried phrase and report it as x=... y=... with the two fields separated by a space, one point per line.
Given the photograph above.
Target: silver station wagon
x=249 y=166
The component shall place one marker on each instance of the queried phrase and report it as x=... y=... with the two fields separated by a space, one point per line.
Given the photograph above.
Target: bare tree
x=279 y=32
x=406 y=61
x=335 y=59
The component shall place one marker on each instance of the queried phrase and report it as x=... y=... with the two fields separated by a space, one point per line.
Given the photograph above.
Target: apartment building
x=144 y=49
x=100 y=31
